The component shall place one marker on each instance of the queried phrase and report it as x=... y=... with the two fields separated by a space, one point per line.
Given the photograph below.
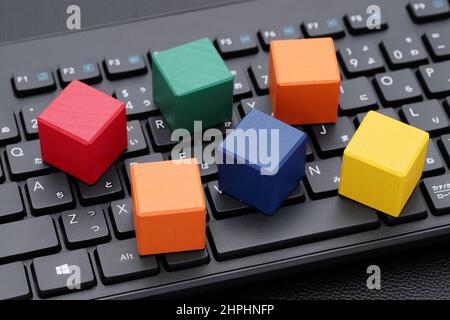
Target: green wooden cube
x=191 y=83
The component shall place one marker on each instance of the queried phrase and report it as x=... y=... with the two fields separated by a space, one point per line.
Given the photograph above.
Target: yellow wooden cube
x=383 y=163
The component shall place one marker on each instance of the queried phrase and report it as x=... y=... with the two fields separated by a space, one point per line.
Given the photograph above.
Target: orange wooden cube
x=168 y=206
x=304 y=81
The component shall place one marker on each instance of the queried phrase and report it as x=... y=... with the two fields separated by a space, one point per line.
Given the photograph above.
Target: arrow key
x=84 y=227
x=428 y=115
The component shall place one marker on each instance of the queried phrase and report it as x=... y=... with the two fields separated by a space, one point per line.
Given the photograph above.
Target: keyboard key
x=88 y=73
x=30 y=83
x=241 y=88
x=435 y=79
x=53 y=272
x=427 y=115
x=292 y=225
x=397 y=88
x=2 y=175
x=143 y=159
x=330 y=27
x=50 y=193
x=235 y=46
x=259 y=75
x=25 y=160
x=136 y=141
x=356 y=22
x=29 y=117
x=161 y=133
x=14 y=280
x=356 y=96
x=119 y=261
x=361 y=60
x=27 y=239
x=208 y=170
x=266 y=35
x=223 y=205
x=402 y=52
x=138 y=100
x=444 y=144
x=322 y=178
x=414 y=210
x=84 y=227
x=11 y=205
x=107 y=188
x=188 y=259
x=433 y=162
x=331 y=139
x=428 y=10
x=438 y=43
x=437 y=193
x=118 y=67
x=122 y=218
x=262 y=104
x=8 y=128
x=386 y=111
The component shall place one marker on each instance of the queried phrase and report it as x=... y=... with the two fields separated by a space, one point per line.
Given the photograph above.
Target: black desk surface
x=420 y=274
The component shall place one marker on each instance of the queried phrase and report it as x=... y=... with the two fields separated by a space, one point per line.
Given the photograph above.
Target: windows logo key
x=63 y=269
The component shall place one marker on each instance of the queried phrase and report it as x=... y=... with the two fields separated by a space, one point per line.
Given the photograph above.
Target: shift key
x=28 y=238
x=291 y=225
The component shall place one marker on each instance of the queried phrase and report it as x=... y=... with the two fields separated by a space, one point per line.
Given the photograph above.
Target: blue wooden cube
x=261 y=161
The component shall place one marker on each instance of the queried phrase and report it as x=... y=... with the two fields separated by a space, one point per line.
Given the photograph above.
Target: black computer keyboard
x=49 y=222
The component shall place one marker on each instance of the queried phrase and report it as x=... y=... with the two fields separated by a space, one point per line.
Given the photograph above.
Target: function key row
x=43 y=80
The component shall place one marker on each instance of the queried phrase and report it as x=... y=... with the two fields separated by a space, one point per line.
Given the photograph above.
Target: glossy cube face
x=262 y=161
x=192 y=83
x=383 y=163
x=304 y=81
x=168 y=206
x=83 y=131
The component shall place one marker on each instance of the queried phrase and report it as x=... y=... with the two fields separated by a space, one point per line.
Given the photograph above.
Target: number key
x=438 y=43
x=138 y=100
x=259 y=75
x=241 y=88
x=401 y=52
x=8 y=128
x=361 y=60
x=29 y=117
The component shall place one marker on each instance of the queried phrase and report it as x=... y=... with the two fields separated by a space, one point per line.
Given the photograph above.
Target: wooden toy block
x=244 y=170
x=304 y=81
x=383 y=163
x=83 y=131
x=168 y=206
x=191 y=83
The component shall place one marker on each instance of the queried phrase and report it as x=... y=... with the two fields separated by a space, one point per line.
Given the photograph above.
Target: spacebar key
x=28 y=239
x=291 y=225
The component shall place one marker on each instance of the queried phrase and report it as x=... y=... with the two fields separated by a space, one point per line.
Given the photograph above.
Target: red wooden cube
x=83 y=131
